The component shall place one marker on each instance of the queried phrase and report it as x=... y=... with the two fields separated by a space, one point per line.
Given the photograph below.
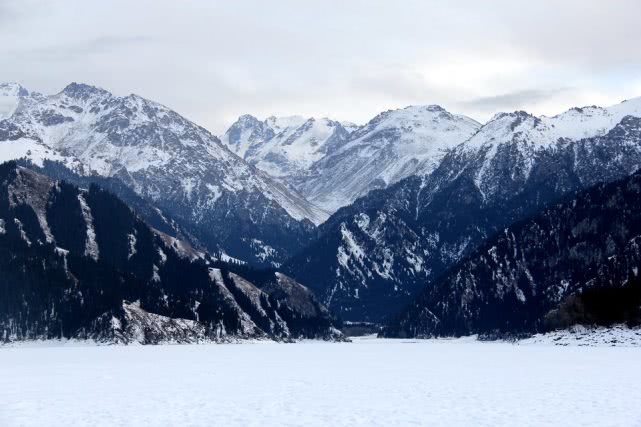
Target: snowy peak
x=247 y=121
x=293 y=151
x=84 y=92
x=246 y=134
x=166 y=159
x=385 y=246
x=79 y=104
x=333 y=163
x=393 y=145
x=507 y=127
x=425 y=123
x=510 y=143
x=514 y=119
x=587 y=122
x=542 y=132
x=284 y=146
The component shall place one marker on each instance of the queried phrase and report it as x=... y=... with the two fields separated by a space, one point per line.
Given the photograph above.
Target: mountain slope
x=334 y=163
x=286 y=147
x=577 y=261
x=80 y=264
x=166 y=159
x=392 y=146
x=375 y=254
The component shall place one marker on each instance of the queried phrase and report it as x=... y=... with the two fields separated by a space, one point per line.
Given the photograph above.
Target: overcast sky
x=215 y=60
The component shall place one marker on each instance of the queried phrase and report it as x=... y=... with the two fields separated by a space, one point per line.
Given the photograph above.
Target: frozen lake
x=368 y=382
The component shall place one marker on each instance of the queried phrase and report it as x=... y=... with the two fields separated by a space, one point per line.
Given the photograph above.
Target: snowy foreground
x=367 y=382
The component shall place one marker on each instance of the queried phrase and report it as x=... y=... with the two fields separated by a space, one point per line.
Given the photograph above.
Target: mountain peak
x=432 y=108
x=247 y=119
x=83 y=91
x=519 y=114
x=13 y=88
x=416 y=116
x=245 y=133
x=410 y=113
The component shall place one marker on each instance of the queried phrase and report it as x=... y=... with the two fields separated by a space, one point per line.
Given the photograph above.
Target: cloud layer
x=213 y=61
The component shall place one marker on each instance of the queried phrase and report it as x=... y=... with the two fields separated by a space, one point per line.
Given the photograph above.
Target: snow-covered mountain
x=334 y=163
x=392 y=146
x=373 y=255
x=165 y=158
x=575 y=262
x=515 y=140
x=80 y=264
x=285 y=147
x=414 y=190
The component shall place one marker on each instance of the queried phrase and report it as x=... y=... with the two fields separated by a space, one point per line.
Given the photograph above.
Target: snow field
x=369 y=383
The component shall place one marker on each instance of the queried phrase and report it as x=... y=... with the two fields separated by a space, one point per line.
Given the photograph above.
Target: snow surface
x=35 y=151
x=369 y=383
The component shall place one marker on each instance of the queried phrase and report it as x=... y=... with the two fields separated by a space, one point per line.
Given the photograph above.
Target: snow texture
x=579 y=335
x=366 y=383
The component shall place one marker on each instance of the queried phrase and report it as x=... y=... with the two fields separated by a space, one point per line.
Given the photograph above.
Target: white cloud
x=213 y=61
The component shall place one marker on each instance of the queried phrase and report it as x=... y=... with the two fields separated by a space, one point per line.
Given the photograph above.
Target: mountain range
x=376 y=254
x=81 y=264
x=575 y=262
x=334 y=163
x=377 y=222
x=179 y=167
